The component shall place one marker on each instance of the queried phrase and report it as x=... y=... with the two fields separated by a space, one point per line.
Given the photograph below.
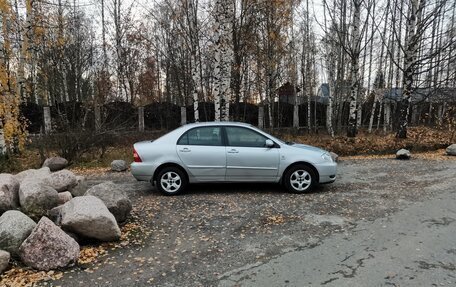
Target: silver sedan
x=229 y=152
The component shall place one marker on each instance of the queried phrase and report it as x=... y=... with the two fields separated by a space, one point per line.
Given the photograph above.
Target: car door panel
x=205 y=163
x=246 y=160
x=252 y=164
x=202 y=152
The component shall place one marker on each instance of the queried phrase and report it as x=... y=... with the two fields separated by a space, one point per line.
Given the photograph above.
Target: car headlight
x=327 y=157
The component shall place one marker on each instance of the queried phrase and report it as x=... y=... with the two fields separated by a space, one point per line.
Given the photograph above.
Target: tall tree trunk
x=354 y=71
x=192 y=19
x=411 y=44
x=223 y=58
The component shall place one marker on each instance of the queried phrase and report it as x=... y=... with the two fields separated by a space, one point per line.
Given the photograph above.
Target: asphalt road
x=382 y=223
x=414 y=247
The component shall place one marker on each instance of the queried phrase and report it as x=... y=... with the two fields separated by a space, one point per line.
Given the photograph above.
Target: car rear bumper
x=142 y=171
x=327 y=172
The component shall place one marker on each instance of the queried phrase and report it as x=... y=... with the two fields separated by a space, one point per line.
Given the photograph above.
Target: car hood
x=308 y=147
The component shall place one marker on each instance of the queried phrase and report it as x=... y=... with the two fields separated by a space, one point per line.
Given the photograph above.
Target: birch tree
x=354 y=67
x=223 y=16
x=192 y=22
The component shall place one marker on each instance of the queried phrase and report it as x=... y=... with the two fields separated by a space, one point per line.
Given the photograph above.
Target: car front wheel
x=300 y=179
x=171 y=181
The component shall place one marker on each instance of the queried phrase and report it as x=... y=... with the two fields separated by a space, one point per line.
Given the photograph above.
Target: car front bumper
x=327 y=172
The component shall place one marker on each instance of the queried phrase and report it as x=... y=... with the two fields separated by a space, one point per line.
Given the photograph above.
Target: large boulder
x=115 y=199
x=33 y=174
x=80 y=188
x=451 y=150
x=55 y=163
x=119 y=165
x=15 y=227
x=9 y=192
x=37 y=198
x=61 y=180
x=89 y=217
x=4 y=260
x=48 y=247
x=403 y=154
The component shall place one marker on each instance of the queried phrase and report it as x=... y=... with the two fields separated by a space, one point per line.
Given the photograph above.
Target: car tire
x=171 y=181
x=299 y=179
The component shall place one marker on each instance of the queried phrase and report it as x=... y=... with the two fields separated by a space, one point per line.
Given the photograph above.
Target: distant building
x=286 y=94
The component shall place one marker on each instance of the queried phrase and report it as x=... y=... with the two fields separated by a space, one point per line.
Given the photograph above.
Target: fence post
x=47 y=120
x=97 y=118
x=141 y=119
x=261 y=117
x=183 y=116
x=2 y=140
x=296 y=116
x=387 y=117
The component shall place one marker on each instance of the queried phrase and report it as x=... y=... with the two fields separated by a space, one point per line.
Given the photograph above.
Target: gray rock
x=55 y=163
x=451 y=150
x=15 y=227
x=61 y=180
x=64 y=197
x=37 y=198
x=115 y=199
x=80 y=188
x=9 y=192
x=48 y=247
x=4 y=260
x=89 y=217
x=33 y=174
x=334 y=156
x=119 y=165
x=403 y=154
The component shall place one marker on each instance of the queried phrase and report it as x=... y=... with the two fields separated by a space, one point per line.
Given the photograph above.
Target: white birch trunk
x=192 y=20
x=354 y=71
x=223 y=58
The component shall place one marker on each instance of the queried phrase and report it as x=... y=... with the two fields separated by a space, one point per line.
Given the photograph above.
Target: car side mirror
x=269 y=143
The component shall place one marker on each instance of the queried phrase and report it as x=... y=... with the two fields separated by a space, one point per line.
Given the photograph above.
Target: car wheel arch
x=165 y=165
x=314 y=169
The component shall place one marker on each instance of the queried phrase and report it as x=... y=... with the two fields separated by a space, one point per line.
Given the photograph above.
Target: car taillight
x=136 y=156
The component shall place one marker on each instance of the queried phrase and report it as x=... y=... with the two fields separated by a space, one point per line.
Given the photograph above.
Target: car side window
x=205 y=136
x=242 y=137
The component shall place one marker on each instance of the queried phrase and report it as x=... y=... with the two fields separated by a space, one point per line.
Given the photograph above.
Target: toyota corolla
x=219 y=152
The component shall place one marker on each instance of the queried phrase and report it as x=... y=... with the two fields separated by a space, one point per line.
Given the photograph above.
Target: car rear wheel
x=299 y=179
x=171 y=181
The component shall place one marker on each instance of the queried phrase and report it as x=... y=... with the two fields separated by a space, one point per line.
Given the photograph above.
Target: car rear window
x=205 y=136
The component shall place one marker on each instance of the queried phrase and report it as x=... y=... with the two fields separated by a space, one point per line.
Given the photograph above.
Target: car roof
x=202 y=124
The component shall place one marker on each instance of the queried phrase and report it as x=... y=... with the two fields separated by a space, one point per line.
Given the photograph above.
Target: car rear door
x=247 y=158
x=202 y=151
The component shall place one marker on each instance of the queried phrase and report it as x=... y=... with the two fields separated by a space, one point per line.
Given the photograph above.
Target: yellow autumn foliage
x=14 y=127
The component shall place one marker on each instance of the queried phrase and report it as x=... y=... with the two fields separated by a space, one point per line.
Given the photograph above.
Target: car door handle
x=185 y=150
x=233 y=151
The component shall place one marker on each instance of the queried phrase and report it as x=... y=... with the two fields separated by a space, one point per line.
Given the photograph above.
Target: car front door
x=248 y=158
x=203 y=153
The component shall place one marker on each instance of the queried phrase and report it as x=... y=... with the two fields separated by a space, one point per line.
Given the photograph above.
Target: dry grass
x=419 y=139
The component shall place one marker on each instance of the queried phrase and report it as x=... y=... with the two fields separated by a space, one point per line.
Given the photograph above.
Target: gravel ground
x=196 y=238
